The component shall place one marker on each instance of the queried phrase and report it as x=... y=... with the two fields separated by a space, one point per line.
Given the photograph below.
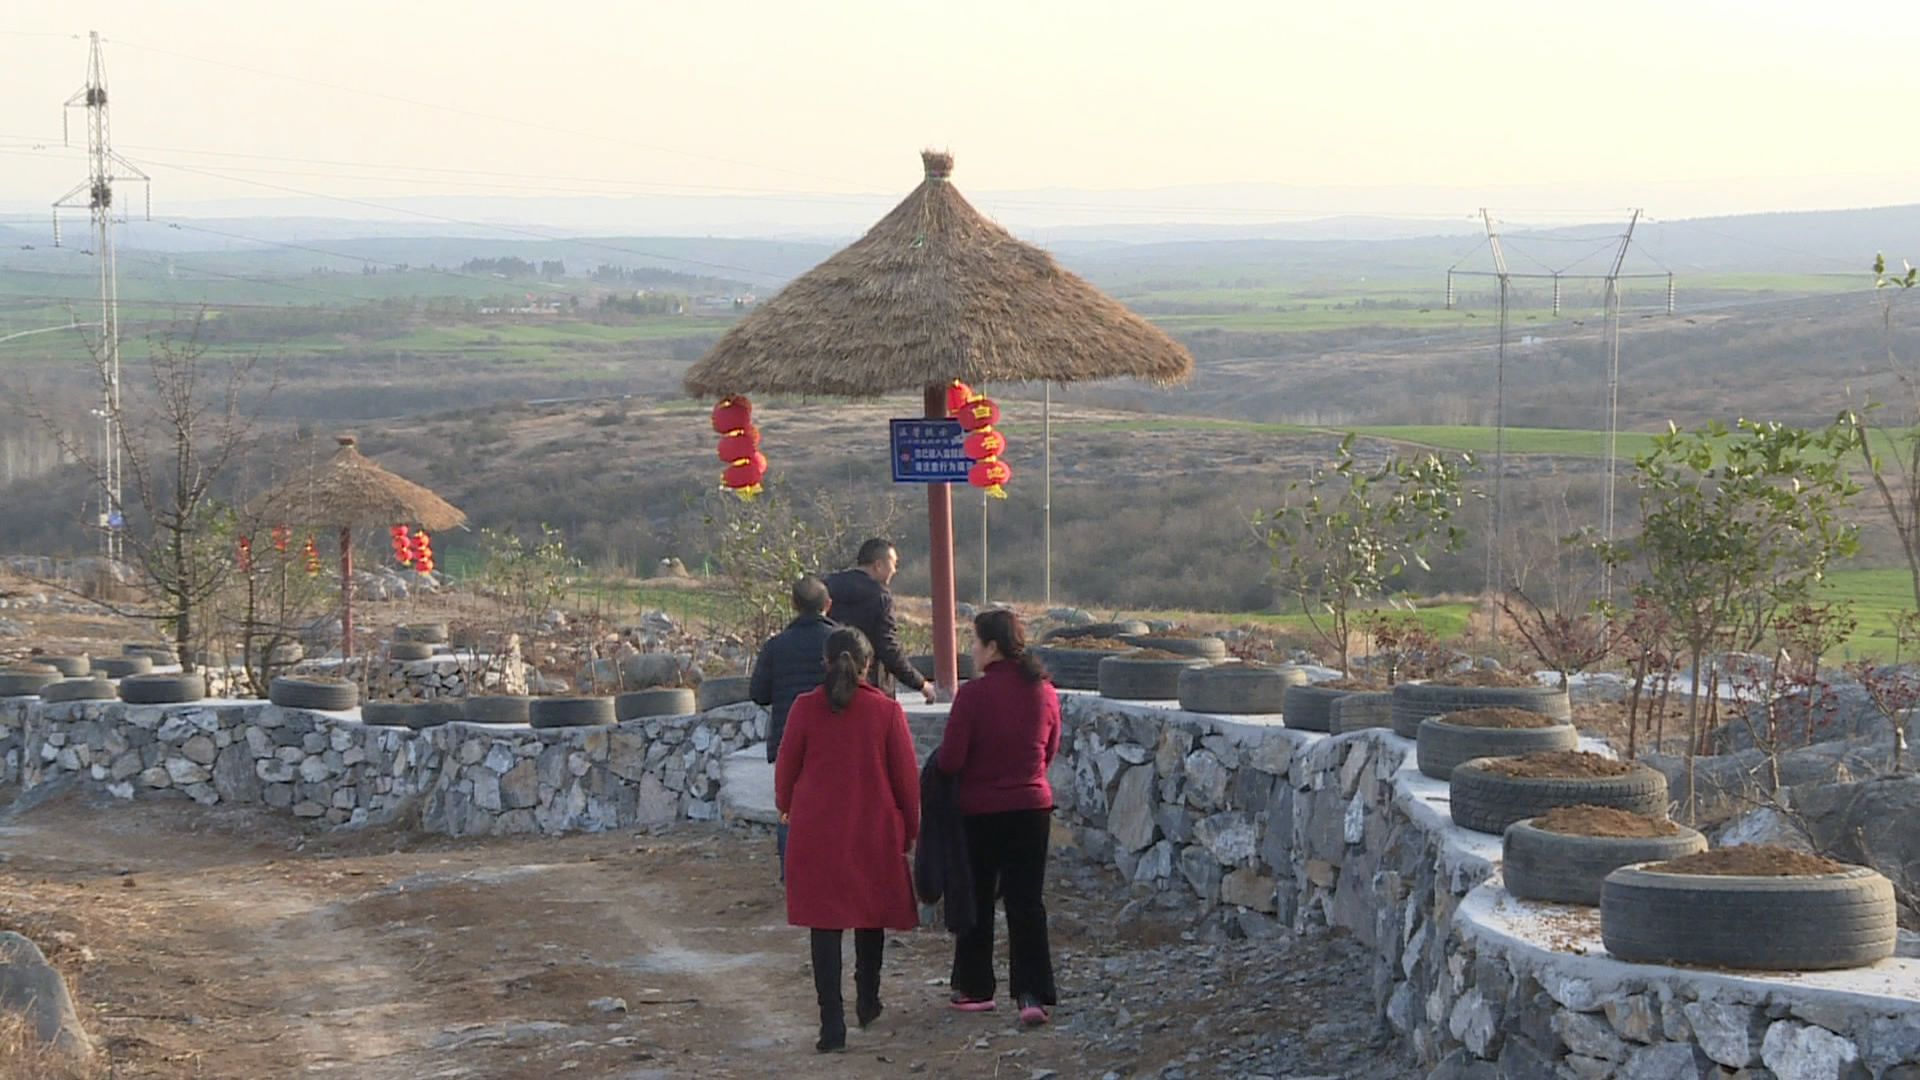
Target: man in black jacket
x=791 y=663
x=861 y=600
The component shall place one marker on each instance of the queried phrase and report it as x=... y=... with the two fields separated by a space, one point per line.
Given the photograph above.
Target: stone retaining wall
x=1270 y=828
x=458 y=778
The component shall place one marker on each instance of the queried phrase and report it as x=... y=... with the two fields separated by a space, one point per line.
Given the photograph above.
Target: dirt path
x=208 y=944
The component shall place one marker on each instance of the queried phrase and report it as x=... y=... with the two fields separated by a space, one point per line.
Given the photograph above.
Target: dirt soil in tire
x=1559 y=765
x=1749 y=860
x=1506 y=719
x=1603 y=821
x=1350 y=684
x=1505 y=680
x=228 y=945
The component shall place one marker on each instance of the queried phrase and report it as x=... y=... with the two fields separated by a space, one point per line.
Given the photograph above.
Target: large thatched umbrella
x=350 y=492
x=933 y=293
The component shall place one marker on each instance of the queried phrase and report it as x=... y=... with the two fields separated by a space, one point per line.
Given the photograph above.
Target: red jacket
x=848 y=782
x=1002 y=733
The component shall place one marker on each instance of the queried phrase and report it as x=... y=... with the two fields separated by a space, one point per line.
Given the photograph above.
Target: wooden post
x=946 y=669
x=346 y=592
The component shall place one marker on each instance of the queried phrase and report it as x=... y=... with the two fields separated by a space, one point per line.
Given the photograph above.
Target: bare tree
x=180 y=435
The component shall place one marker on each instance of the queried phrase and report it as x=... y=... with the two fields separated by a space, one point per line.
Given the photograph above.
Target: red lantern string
x=402 y=546
x=282 y=536
x=739 y=446
x=978 y=414
x=422 y=553
x=312 y=552
x=246 y=555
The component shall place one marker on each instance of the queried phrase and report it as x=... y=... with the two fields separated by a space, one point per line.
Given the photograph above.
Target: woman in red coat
x=847 y=784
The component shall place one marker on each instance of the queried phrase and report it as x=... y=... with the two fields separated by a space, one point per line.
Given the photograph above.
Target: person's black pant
x=867 y=946
x=1008 y=853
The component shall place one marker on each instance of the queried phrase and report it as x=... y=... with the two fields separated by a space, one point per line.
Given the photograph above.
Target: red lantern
x=422 y=553
x=246 y=555
x=957 y=397
x=743 y=476
x=734 y=413
x=985 y=444
x=402 y=546
x=979 y=413
x=740 y=444
x=282 y=535
x=991 y=474
x=312 y=553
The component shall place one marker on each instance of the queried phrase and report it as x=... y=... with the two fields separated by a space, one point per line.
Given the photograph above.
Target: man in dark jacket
x=861 y=600
x=791 y=663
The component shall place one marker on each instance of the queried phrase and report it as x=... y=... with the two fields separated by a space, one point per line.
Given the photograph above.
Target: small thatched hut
x=933 y=293
x=351 y=492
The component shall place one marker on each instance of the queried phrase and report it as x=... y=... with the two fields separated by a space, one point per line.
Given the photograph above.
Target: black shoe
x=867 y=1011
x=833 y=1034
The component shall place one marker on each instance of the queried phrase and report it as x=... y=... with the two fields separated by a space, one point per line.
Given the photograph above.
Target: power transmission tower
x=1611 y=284
x=96 y=194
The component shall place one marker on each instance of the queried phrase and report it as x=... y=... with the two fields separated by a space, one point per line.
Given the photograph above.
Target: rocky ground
x=202 y=943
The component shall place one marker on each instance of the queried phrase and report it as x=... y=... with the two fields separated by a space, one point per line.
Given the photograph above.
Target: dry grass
x=24 y=1057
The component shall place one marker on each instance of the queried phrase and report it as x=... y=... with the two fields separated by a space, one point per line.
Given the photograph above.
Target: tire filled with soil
x=1102 y=630
x=559 y=712
x=119 y=667
x=1309 y=707
x=1360 y=710
x=1416 y=701
x=1754 y=907
x=1489 y=794
x=162 y=689
x=79 y=690
x=1237 y=689
x=72 y=667
x=1145 y=675
x=1562 y=856
x=387 y=713
x=724 y=690
x=27 y=680
x=313 y=692
x=426 y=633
x=656 y=701
x=1075 y=665
x=409 y=650
x=1449 y=740
x=496 y=709
x=1205 y=646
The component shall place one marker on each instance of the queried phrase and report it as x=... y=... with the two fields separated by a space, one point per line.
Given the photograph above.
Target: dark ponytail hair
x=1002 y=628
x=848 y=657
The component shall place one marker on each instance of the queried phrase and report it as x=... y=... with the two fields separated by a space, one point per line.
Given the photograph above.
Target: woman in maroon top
x=847 y=782
x=1002 y=733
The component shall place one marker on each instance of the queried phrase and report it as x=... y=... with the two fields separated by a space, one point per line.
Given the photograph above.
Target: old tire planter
x=160 y=654
x=1207 y=648
x=1128 y=678
x=1414 y=702
x=562 y=712
x=923 y=663
x=1360 y=710
x=409 y=650
x=162 y=689
x=425 y=633
x=435 y=712
x=79 y=690
x=72 y=667
x=1444 y=746
x=496 y=709
x=387 y=713
x=313 y=692
x=1237 y=689
x=658 y=701
x=1485 y=801
x=119 y=667
x=1563 y=868
x=1820 y=922
x=1075 y=669
x=725 y=690
x=26 y=682
x=1107 y=630
x=1308 y=707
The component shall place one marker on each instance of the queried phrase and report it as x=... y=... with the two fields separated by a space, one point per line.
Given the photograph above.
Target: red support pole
x=346 y=592
x=946 y=669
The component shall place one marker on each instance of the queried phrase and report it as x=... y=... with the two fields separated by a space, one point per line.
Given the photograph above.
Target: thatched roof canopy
x=350 y=491
x=934 y=292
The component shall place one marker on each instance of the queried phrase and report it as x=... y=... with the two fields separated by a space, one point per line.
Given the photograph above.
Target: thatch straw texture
x=351 y=491
x=934 y=292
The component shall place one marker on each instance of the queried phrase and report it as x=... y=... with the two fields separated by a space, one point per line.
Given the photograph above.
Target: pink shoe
x=963 y=1003
x=1032 y=1013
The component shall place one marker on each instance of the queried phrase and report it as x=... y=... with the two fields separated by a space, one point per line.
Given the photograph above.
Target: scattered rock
x=30 y=988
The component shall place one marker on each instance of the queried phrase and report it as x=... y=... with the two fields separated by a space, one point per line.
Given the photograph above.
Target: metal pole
x=946 y=666
x=346 y=593
x=1613 y=390
x=984 y=503
x=1046 y=496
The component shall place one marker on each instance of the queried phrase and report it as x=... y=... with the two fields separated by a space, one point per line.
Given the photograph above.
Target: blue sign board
x=927 y=451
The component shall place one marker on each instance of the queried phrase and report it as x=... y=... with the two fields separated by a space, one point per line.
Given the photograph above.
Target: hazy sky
x=1681 y=105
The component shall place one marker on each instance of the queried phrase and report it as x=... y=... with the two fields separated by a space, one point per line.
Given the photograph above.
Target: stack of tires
x=1416 y=701
x=417 y=641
